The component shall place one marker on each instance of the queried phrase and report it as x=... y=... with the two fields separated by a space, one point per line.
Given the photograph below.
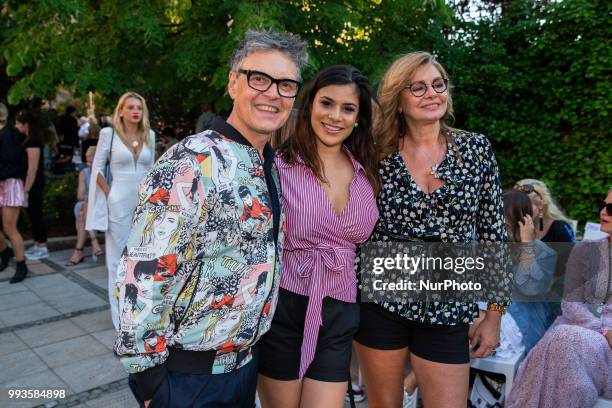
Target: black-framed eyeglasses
x=418 y=89
x=528 y=189
x=607 y=206
x=260 y=81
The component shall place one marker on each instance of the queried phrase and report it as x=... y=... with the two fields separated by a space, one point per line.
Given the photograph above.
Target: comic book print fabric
x=200 y=269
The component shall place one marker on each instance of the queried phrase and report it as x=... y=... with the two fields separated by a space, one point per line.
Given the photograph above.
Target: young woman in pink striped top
x=329 y=178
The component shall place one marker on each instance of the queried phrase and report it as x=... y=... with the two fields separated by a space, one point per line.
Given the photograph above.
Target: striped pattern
x=319 y=250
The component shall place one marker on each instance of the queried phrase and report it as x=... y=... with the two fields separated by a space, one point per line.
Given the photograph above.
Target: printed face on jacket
x=165 y=225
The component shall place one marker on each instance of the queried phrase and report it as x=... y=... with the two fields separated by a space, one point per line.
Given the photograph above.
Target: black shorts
x=384 y=330
x=280 y=348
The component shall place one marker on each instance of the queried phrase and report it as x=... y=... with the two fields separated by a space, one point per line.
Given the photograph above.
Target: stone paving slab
x=63 y=290
x=101 y=283
x=106 y=337
x=11 y=301
x=45 y=282
x=93 y=273
x=39 y=268
x=72 y=303
x=9 y=343
x=29 y=313
x=6 y=288
x=49 y=333
x=92 y=372
x=92 y=322
x=70 y=351
x=20 y=364
x=8 y=272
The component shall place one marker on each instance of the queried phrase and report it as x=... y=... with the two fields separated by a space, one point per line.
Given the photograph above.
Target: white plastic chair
x=505 y=366
x=603 y=403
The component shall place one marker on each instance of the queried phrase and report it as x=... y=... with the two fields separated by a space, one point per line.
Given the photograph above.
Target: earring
x=356 y=124
x=541 y=221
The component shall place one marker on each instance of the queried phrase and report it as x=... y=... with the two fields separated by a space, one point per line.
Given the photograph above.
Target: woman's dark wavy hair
x=33 y=122
x=516 y=205
x=360 y=143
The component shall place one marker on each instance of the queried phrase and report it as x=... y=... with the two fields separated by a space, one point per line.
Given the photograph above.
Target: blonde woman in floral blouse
x=438 y=184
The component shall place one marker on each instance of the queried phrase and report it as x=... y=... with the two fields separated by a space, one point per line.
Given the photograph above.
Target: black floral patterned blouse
x=468 y=206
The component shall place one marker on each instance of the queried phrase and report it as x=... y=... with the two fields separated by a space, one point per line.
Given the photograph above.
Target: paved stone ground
x=56 y=333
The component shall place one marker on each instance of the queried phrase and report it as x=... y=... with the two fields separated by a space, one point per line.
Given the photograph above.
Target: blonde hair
x=144 y=127
x=551 y=210
x=91 y=151
x=3 y=115
x=389 y=124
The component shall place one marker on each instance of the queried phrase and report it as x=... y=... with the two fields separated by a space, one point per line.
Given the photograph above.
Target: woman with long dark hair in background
x=28 y=124
x=12 y=195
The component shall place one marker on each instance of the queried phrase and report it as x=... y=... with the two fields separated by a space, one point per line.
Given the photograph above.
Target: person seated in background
x=553 y=228
x=571 y=366
x=534 y=265
x=80 y=211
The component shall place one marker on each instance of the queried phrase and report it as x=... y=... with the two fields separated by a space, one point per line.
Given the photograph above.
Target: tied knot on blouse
x=334 y=258
x=315 y=265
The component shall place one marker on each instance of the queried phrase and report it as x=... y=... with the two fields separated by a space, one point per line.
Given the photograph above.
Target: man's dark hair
x=144 y=268
x=268 y=40
x=70 y=110
x=243 y=191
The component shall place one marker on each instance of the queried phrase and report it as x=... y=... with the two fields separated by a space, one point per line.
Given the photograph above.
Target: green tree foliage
x=534 y=77
x=176 y=52
x=536 y=80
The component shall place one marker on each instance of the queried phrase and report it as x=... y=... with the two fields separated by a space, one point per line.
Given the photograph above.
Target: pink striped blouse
x=319 y=247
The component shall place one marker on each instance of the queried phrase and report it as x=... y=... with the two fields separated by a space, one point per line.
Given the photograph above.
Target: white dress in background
x=115 y=214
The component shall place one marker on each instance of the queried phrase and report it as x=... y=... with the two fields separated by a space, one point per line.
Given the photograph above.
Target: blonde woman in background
x=80 y=209
x=129 y=146
x=551 y=223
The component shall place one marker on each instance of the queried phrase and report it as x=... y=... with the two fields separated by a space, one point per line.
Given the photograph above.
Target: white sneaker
x=411 y=400
x=36 y=253
x=358 y=393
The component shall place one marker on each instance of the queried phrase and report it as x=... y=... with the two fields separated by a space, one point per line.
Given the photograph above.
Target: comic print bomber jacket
x=200 y=271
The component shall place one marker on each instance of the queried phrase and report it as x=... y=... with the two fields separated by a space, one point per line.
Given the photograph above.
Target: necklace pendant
x=434 y=171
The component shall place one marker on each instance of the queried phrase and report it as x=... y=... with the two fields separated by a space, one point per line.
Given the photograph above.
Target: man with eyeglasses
x=216 y=277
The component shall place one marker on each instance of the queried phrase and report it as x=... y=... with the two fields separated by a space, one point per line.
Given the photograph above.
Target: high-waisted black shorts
x=384 y=330
x=280 y=348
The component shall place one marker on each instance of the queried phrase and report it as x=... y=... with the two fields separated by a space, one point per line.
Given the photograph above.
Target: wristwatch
x=496 y=308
